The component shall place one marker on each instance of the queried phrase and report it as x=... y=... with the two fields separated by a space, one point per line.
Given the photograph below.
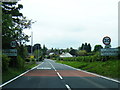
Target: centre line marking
x=56 y=71
x=53 y=66
x=59 y=75
x=68 y=87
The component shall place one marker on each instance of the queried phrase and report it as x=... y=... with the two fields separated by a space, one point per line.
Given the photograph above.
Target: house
x=66 y=55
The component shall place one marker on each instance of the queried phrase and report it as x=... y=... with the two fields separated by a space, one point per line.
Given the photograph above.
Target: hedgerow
x=93 y=58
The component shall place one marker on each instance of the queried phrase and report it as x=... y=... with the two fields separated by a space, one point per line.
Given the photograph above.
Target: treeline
x=84 y=50
x=37 y=51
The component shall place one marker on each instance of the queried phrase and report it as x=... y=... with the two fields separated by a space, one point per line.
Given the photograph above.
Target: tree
x=37 y=47
x=13 y=23
x=82 y=47
x=89 y=48
x=86 y=47
x=44 y=50
x=73 y=52
x=97 y=48
x=29 y=48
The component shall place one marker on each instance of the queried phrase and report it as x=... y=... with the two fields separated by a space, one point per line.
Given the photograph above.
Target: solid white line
x=18 y=76
x=13 y=79
x=101 y=76
x=68 y=87
x=59 y=75
x=95 y=74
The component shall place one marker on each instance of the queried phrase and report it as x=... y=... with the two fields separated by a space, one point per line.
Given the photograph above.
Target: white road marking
x=53 y=66
x=56 y=71
x=68 y=87
x=18 y=76
x=100 y=76
x=43 y=68
x=59 y=75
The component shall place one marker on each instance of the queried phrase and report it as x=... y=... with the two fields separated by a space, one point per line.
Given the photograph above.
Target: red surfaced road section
x=64 y=73
x=76 y=73
x=41 y=73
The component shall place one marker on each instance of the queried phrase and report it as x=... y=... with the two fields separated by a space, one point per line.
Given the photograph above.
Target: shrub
x=5 y=62
x=33 y=60
x=20 y=62
x=27 y=60
x=82 y=53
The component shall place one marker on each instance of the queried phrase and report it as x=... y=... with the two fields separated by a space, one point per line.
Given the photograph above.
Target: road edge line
x=95 y=74
x=19 y=75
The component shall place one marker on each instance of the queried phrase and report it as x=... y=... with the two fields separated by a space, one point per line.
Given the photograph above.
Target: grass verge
x=109 y=68
x=13 y=72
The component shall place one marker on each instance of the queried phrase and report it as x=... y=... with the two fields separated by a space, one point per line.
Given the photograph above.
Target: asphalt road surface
x=50 y=75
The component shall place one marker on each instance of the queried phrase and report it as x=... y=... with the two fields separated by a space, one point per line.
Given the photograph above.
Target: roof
x=66 y=55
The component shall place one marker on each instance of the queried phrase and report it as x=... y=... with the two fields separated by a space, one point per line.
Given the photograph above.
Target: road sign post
x=107 y=51
x=11 y=52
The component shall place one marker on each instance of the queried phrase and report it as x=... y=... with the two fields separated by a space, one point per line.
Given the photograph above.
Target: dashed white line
x=59 y=75
x=56 y=71
x=53 y=66
x=68 y=87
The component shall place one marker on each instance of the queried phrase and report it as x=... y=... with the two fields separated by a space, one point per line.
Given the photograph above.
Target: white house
x=66 y=55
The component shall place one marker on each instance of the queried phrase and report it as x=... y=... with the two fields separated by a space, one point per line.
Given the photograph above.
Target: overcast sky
x=69 y=23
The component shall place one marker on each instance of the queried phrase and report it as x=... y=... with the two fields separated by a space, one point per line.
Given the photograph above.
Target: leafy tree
x=22 y=51
x=45 y=50
x=37 y=47
x=97 y=48
x=13 y=23
x=86 y=47
x=29 y=48
x=73 y=52
x=82 y=47
x=89 y=48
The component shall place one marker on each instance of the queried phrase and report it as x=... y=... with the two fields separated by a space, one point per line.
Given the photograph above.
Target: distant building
x=51 y=53
x=66 y=55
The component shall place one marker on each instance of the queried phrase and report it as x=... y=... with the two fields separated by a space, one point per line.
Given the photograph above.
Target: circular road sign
x=106 y=40
x=13 y=44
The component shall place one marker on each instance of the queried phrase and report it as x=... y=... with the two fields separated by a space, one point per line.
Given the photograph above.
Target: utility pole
x=31 y=42
x=38 y=53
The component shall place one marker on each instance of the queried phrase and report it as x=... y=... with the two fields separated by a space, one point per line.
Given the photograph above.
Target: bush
x=33 y=60
x=20 y=62
x=27 y=60
x=5 y=62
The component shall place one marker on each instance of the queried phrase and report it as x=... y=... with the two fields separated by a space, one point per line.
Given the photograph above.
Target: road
x=53 y=76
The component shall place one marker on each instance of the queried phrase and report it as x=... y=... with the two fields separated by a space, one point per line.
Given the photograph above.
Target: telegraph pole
x=31 y=42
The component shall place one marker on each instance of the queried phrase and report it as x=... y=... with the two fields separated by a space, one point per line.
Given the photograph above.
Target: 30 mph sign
x=13 y=44
x=107 y=40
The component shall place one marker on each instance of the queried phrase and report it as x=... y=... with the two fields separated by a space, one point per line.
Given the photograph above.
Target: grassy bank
x=13 y=72
x=108 y=68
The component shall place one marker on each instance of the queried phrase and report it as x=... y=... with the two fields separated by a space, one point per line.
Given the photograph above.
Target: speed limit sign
x=107 y=40
x=13 y=44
